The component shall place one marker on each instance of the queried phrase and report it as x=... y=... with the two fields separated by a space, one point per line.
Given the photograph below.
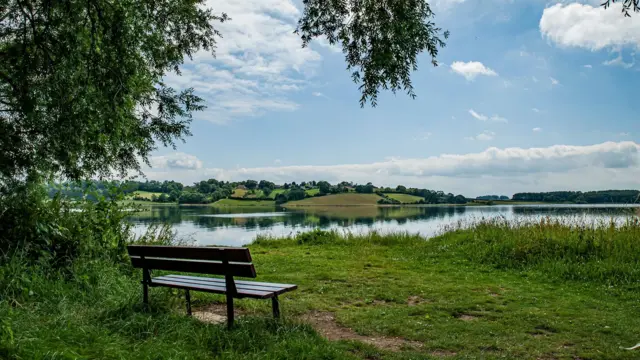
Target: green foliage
x=81 y=83
x=189 y=197
x=565 y=250
x=627 y=5
x=57 y=231
x=579 y=197
x=381 y=39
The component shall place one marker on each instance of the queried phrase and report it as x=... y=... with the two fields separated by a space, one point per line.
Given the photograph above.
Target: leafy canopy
x=627 y=5
x=381 y=39
x=81 y=82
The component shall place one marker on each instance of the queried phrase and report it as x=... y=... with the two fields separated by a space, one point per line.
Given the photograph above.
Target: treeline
x=492 y=197
x=578 y=197
x=212 y=190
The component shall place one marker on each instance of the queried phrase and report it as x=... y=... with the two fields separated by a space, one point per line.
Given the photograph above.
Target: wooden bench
x=228 y=262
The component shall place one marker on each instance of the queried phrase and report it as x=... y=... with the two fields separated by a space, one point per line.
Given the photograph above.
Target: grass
x=236 y=203
x=499 y=290
x=404 y=198
x=312 y=192
x=349 y=199
x=275 y=193
x=145 y=194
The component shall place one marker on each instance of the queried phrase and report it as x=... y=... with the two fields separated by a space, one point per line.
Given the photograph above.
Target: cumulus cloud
x=554 y=81
x=589 y=26
x=588 y=66
x=176 y=161
x=599 y=166
x=537 y=129
x=481 y=117
x=259 y=61
x=470 y=70
x=535 y=110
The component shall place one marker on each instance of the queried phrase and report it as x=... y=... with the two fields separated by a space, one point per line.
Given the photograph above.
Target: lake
x=238 y=226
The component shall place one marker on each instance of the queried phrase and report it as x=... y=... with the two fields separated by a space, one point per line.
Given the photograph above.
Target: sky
x=529 y=95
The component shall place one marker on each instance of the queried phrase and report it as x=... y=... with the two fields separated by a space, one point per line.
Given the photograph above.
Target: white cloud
x=624 y=134
x=277 y=161
x=618 y=61
x=259 y=61
x=535 y=110
x=481 y=117
x=567 y=167
x=588 y=66
x=537 y=129
x=483 y=136
x=554 y=81
x=478 y=116
x=534 y=79
x=470 y=70
x=176 y=161
x=589 y=26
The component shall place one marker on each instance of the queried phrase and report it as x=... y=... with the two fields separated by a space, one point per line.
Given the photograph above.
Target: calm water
x=239 y=226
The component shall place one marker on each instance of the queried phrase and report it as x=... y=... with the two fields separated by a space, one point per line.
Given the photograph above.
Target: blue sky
x=529 y=96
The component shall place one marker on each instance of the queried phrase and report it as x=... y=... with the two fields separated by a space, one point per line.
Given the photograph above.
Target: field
x=500 y=290
x=144 y=194
x=275 y=193
x=312 y=192
x=349 y=199
x=236 y=203
x=404 y=198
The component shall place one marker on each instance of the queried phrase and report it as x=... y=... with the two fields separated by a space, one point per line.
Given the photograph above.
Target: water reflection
x=237 y=226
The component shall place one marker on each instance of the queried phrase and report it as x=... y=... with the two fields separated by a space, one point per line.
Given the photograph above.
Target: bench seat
x=244 y=289
x=221 y=261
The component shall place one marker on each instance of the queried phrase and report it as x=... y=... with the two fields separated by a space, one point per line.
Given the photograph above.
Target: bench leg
x=275 y=306
x=230 y=311
x=145 y=294
x=188 y=299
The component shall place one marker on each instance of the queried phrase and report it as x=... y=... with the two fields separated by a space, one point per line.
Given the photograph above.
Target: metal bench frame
x=228 y=262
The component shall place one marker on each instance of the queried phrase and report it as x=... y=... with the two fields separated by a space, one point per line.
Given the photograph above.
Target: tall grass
x=605 y=252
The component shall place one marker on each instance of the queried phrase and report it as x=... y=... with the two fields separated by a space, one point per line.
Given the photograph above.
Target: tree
x=324 y=187
x=627 y=5
x=381 y=39
x=251 y=184
x=401 y=189
x=81 y=89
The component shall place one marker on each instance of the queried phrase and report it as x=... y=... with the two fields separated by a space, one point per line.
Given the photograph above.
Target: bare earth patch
x=416 y=300
x=213 y=313
x=467 y=317
x=325 y=324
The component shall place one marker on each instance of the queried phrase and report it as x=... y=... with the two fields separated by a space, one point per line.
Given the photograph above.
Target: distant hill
x=346 y=199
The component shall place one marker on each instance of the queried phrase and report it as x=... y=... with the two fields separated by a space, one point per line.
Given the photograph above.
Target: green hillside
x=349 y=199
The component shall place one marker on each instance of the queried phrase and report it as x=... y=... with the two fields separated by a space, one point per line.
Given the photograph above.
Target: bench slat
x=238 y=282
x=195 y=266
x=220 y=282
x=191 y=252
x=221 y=289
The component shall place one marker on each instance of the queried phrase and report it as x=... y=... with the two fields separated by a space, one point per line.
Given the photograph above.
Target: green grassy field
x=404 y=198
x=349 y=199
x=144 y=194
x=312 y=192
x=498 y=291
x=275 y=193
x=240 y=203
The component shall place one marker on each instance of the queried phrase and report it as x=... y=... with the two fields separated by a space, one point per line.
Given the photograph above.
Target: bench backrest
x=202 y=260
